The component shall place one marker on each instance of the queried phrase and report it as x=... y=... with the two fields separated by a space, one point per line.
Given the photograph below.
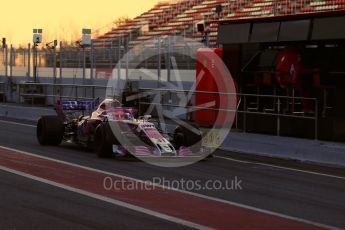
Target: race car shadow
x=72 y=149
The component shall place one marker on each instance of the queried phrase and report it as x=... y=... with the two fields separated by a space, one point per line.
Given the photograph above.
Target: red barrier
x=212 y=75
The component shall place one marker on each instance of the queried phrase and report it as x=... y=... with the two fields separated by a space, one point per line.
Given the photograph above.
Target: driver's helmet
x=123 y=116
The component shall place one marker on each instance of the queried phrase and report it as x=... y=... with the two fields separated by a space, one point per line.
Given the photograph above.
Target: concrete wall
x=75 y=75
x=146 y=78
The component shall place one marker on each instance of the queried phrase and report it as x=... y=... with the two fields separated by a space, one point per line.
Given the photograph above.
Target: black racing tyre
x=186 y=137
x=103 y=146
x=50 y=130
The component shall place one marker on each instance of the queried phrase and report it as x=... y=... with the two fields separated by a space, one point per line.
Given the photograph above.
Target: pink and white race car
x=111 y=129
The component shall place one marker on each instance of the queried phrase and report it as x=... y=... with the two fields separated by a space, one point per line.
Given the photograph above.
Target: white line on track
x=280 y=167
x=17 y=123
x=181 y=191
x=109 y=200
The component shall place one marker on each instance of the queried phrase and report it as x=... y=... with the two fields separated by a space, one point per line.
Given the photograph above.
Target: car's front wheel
x=103 y=147
x=188 y=137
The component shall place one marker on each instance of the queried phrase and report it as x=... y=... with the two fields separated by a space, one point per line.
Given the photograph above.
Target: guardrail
x=31 y=91
x=249 y=104
x=290 y=110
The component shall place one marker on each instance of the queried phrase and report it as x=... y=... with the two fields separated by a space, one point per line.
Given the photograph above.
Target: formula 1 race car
x=113 y=129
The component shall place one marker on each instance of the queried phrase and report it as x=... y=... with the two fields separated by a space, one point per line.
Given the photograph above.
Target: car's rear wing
x=80 y=105
x=77 y=106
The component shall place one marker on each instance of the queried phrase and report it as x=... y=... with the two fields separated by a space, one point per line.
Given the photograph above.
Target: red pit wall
x=213 y=76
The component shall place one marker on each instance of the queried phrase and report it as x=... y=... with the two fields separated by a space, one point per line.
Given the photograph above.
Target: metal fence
x=170 y=99
x=28 y=92
x=87 y=63
x=281 y=106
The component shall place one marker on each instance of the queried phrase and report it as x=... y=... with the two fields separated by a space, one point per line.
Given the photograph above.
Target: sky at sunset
x=62 y=19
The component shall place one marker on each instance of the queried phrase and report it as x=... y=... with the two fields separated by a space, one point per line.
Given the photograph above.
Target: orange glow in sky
x=62 y=19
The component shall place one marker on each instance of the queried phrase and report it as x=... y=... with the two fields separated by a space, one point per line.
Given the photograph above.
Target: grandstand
x=181 y=17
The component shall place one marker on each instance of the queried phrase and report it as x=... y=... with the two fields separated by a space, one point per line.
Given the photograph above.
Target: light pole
x=37 y=39
x=4 y=52
x=219 y=10
x=86 y=41
x=52 y=46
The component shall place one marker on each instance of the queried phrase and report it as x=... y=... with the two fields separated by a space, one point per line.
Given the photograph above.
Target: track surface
x=25 y=203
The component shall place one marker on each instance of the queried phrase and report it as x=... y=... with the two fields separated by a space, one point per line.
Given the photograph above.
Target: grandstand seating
x=180 y=17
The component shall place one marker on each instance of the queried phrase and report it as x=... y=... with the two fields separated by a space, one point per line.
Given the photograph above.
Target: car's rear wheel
x=50 y=130
x=103 y=147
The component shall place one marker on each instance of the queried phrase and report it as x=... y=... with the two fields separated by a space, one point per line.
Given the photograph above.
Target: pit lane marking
x=281 y=167
x=173 y=189
x=109 y=200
